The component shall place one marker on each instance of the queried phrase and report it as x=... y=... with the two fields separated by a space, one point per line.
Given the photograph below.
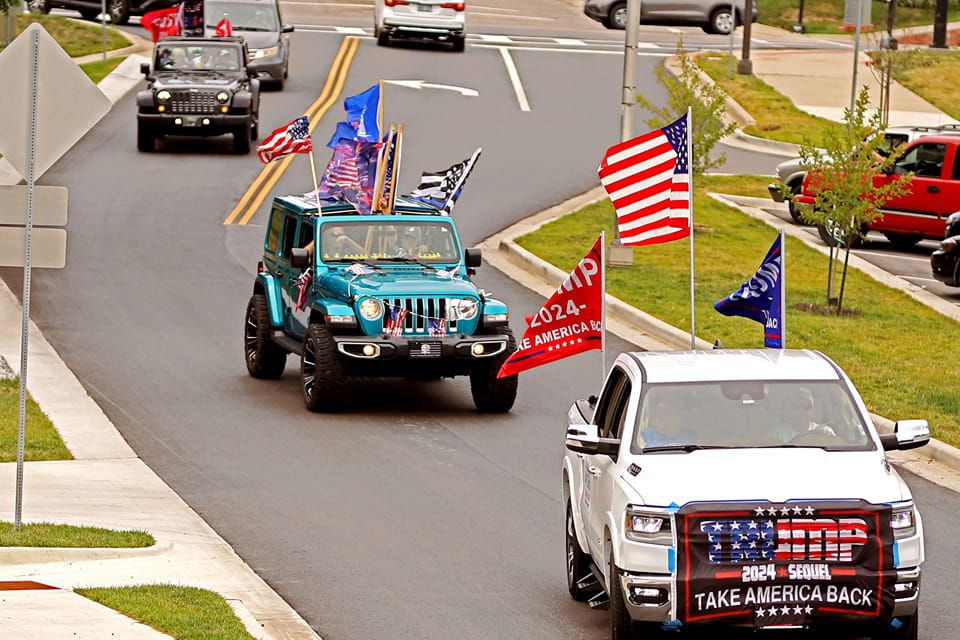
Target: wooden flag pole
x=313 y=171
x=693 y=317
x=603 y=307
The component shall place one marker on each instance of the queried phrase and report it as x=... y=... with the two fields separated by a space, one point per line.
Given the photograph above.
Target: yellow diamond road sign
x=68 y=103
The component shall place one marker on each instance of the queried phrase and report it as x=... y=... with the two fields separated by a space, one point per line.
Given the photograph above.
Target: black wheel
x=265 y=358
x=323 y=377
x=909 y=629
x=796 y=188
x=255 y=130
x=721 y=21
x=492 y=394
x=88 y=13
x=38 y=6
x=119 y=11
x=903 y=240
x=956 y=274
x=241 y=139
x=383 y=39
x=578 y=563
x=459 y=43
x=146 y=139
x=833 y=237
x=621 y=626
x=617 y=17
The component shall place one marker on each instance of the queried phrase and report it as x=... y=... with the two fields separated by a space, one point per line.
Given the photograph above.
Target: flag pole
x=603 y=306
x=783 y=291
x=313 y=171
x=693 y=318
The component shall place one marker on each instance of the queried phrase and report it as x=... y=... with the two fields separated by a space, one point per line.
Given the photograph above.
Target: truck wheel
x=87 y=13
x=322 y=376
x=903 y=240
x=617 y=16
x=578 y=563
x=459 y=43
x=241 y=139
x=265 y=358
x=38 y=6
x=721 y=21
x=492 y=394
x=795 y=189
x=621 y=626
x=909 y=630
x=146 y=140
x=833 y=238
x=383 y=39
x=119 y=11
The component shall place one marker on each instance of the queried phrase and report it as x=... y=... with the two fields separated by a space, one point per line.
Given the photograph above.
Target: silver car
x=420 y=19
x=714 y=16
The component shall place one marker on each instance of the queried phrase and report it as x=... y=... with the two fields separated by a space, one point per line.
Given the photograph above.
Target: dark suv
x=118 y=10
x=199 y=87
x=945 y=261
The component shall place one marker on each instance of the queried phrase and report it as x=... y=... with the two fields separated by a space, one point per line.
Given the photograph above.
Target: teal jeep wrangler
x=373 y=296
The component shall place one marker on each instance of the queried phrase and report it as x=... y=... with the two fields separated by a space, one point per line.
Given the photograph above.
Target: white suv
x=420 y=19
x=746 y=488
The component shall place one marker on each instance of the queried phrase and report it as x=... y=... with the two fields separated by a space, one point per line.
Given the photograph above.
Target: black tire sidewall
x=119 y=11
x=580 y=565
x=621 y=626
x=492 y=394
x=270 y=359
x=330 y=376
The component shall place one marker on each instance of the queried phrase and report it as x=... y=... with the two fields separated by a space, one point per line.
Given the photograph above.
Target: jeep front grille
x=193 y=101
x=419 y=311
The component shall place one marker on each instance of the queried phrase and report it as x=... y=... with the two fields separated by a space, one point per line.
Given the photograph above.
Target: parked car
x=791 y=173
x=739 y=488
x=259 y=22
x=945 y=261
x=422 y=20
x=198 y=86
x=714 y=16
x=119 y=11
x=934 y=193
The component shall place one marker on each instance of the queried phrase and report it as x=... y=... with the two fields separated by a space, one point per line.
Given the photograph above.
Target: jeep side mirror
x=299 y=258
x=583 y=438
x=287 y=28
x=473 y=257
x=907 y=434
x=145 y=68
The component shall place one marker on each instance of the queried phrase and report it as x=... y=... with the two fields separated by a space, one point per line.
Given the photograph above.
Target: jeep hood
x=777 y=475
x=413 y=284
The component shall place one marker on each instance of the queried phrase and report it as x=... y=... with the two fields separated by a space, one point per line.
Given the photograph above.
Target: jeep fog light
x=369 y=350
x=224 y=109
x=178 y=121
x=371 y=308
x=477 y=349
x=161 y=108
x=206 y=122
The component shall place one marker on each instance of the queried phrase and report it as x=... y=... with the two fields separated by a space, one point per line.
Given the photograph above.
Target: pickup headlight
x=643 y=525
x=264 y=53
x=223 y=96
x=903 y=521
x=163 y=95
x=371 y=309
x=465 y=309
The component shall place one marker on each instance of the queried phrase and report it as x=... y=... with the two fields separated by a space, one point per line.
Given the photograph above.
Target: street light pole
x=620 y=255
x=940 y=25
x=798 y=28
x=856 y=54
x=745 y=64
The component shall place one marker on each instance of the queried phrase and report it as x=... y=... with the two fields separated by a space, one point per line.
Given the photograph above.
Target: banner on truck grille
x=784 y=564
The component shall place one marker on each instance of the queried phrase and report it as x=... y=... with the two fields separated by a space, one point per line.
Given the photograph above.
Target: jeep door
x=296 y=233
x=923 y=209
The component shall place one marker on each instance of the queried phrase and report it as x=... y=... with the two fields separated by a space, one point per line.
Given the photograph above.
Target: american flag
x=735 y=541
x=648 y=180
x=303 y=283
x=359 y=269
x=394 y=320
x=343 y=172
x=291 y=138
x=437 y=327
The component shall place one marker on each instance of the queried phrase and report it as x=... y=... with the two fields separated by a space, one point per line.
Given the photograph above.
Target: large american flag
x=291 y=138
x=648 y=180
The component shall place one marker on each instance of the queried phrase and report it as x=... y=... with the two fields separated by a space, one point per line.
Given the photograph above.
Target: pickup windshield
x=389 y=242
x=782 y=414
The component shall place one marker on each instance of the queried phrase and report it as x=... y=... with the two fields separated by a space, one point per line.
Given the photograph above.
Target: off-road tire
x=119 y=11
x=88 y=13
x=265 y=358
x=617 y=16
x=721 y=21
x=492 y=394
x=146 y=139
x=323 y=378
x=909 y=631
x=38 y=6
x=578 y=563
x=241 y=139
x=903 y=240
x=459 y=43
x=621 y=625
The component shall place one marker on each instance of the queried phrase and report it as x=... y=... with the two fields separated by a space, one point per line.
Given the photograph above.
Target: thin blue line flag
x=761 y=297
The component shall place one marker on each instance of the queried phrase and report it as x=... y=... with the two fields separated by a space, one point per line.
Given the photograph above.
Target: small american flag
x=393 y=323
x=291 y=138
x=437 y=327
x=648 y=180
x=303 y=283
x=358 y=269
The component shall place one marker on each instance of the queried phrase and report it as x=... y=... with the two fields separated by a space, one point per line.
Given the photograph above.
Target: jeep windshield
x=394 y=242
x=198 y=57
x=681 y=418
x=243 y=16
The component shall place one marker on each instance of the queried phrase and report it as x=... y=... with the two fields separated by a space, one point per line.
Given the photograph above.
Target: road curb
x=47 y=555
x=667 y=335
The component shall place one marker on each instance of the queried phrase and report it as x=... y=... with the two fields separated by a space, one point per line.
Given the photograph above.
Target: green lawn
x=776 y=116
x=45 y=534
x=923 y=72
x=887 y=344
x=76 y=37
x=99 y=69
x=826 y=16
x=42 y=442
x=184 y=613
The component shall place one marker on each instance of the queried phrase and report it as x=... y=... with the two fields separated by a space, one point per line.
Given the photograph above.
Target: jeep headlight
x=642 y=525
x=903 y=521
x=265 y=53
x=223 y=96
x=163 y=95
x=465 y=309
x=371 y=309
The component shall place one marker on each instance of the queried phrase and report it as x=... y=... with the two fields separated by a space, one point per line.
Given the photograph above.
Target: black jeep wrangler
x=199 y=87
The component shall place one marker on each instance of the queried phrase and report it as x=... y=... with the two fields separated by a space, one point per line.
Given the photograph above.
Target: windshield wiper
x=686 y=448
x=409 y=261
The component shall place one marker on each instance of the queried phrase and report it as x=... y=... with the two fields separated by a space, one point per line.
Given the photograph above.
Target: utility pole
x=620 y=255
x=745 y=64
x=940 y=25
x=856 y=54
x=798 y=28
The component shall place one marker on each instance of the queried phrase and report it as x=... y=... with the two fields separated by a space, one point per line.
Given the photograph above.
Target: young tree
x=707 y=102
x=845 y=176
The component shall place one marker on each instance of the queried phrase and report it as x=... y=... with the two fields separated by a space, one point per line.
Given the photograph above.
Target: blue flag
x=762 y=297
x=345 y=130
x=363 y=112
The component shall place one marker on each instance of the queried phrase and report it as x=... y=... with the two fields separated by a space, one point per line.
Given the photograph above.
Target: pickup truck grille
x=419 y=311
x=193 y=101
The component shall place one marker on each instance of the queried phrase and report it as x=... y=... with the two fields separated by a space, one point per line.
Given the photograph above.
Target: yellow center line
x=335 y=78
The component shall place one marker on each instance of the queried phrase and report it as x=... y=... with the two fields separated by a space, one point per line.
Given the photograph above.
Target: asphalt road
x=410 y=515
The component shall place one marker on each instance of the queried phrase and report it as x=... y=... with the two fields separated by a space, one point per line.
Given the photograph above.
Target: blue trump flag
x=762 y=297
x=363 y=111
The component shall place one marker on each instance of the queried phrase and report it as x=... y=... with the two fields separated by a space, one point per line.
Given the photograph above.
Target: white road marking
x=492 y=38
x=357 y=5
x=559 y=50
x=515 y=79
x=420 y=85
x=351 y=31
x=570 y=42
x=897 y=257
x=498 y=15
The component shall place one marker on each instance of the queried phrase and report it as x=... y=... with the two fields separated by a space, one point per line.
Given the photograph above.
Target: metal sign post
x=856 y=55
x=103 y=26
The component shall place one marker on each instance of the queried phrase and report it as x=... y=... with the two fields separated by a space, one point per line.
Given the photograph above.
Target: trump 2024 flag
x=570 y=322
x=762 y=298
x=648 y=181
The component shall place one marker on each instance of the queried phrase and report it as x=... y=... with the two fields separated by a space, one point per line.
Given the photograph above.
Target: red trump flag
x=570 y=322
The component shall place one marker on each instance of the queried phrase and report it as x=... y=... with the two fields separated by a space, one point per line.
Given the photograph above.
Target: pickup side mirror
x=145 y=68
x=299 y=258
x=907 y=434
x=473 y=257
x=583 y=438
x=287 y=28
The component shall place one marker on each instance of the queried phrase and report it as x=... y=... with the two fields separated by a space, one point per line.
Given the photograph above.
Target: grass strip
x=45 y=534
x=826 y=16
x=185 y=613
x=100 y=69
x=886 y=342
x=924 y=73
x=776 y=116
x=76 y=37
x=42 y=442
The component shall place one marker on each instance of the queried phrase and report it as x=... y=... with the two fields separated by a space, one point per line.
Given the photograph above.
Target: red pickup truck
x=934 y=192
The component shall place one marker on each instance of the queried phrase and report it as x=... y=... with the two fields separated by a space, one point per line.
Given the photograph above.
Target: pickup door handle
x=933 y=189
x=594 y=471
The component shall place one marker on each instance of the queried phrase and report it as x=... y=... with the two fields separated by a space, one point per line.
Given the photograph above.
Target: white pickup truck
x=746 y=488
